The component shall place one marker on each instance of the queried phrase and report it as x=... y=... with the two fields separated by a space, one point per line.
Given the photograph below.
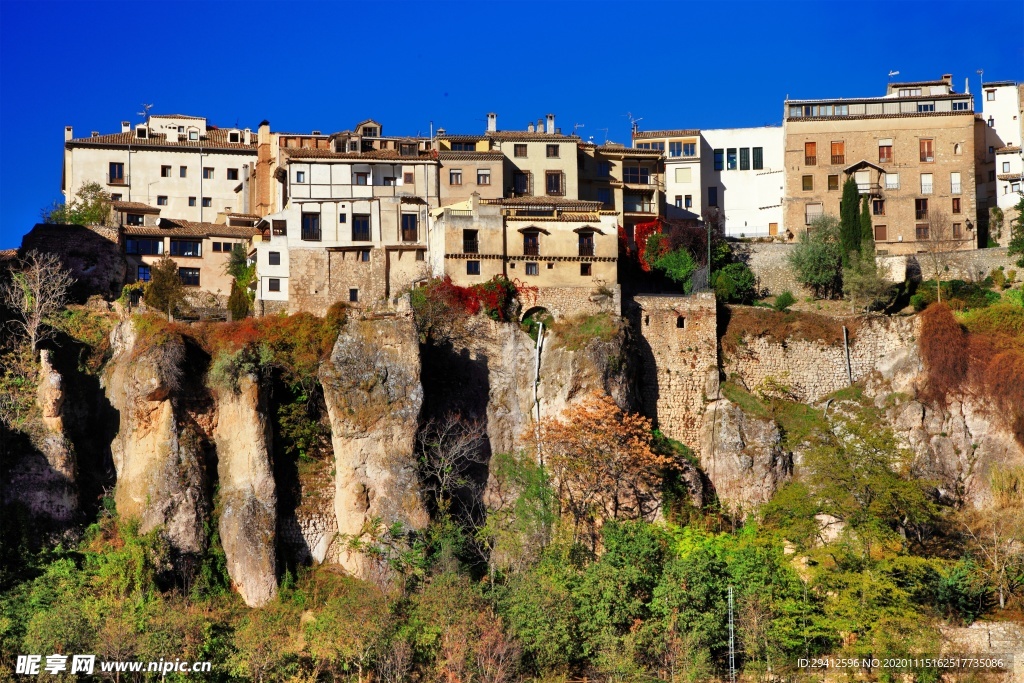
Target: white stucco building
x=1004 y=116
x=742 y=173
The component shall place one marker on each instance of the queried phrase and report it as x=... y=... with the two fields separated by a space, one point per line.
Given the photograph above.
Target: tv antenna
x=576 y=126
x=633 y=122
x=605 y=135
x=145 y=110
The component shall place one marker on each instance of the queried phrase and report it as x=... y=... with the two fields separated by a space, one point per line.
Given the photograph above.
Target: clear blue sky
x=326 y=66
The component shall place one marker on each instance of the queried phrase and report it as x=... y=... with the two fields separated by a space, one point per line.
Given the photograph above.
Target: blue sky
x=326 y=66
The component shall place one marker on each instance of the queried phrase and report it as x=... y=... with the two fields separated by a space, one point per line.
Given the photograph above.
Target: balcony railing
x=459 y=213
x=410 y=235
x=956 y=188
x=360 y=235
x=116 y=180
x=892 y=184
x=927 y=156
x=531 y=249
x=869 y=188
x=810 y=161
x=586 y=250
x=838 y=158
x=926 y=189
x=920 y=214
x=470 y=247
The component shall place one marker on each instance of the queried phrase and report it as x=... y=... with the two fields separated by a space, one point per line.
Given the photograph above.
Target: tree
x=238 y=302
x=818 y=259
x=35 y=292
x=849 y=217
x=995 y=533
x=351 y=629
x=864 y=282
x=450 y=448
x=1016 y=245
x=938 y=242
x=165 y=292
x=735 y=284
x=90 y=206
x=867 y=232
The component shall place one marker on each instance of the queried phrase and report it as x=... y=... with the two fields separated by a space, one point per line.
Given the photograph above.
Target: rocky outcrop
x=742 y=456
x=373 y=394
x=247 y=493
x=158 y=459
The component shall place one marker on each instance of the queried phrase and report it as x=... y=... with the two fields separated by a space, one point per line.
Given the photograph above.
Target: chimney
x=529 y=127
x=126 y=126
x=263 y=133
x=550 y=128
x=540 y=125
x=441 y=132
x=95 y=133
x=474 y=203
x=245 y=186
x=68 y=133
x=947 y=79
x=492 y=122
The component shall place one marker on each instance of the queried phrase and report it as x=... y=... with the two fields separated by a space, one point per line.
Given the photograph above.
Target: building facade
x=628 y=182
x=1003 y=113
x=911 y=152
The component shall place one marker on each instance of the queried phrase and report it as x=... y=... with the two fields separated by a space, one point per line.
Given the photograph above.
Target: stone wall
x=565 y=302
x=963 y=265
x=814 y=369
x=91 y=253
x=989 y=639
x=679 y=360
x=770 y=263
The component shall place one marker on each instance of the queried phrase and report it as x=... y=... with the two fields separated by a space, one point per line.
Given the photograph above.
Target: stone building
x=912 y=152
x=628 y=182
x=174 y=162
x=567 y=249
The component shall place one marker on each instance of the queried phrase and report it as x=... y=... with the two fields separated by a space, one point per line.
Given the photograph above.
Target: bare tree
x=940 y=241
x=35 y=292
x=394 y=664
x=450 y=448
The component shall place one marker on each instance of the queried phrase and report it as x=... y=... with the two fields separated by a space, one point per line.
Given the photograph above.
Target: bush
x=441 y=307
x=817 y=259
x=784 y=301
x=919 y=302
x=165 y=293
x=735 y=284
x=238 y=302
x=944 y=351
x=577 y=332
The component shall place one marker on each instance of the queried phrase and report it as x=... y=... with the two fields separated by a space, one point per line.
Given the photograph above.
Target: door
x=863 y=179
x=773 y=229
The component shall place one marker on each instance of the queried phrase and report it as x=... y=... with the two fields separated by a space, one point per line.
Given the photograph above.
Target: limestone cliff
x=247 y=493
x=374 y=396
x=161 y=478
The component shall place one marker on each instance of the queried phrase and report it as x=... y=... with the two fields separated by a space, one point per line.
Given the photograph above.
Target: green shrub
x=1014 y=296
x=735 y=284
x=919 y=302
x=784 y=301
x=998 y=278
x=238 y=302
x=817 y=260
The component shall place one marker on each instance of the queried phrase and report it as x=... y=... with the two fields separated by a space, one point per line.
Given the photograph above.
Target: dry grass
x=777 y=326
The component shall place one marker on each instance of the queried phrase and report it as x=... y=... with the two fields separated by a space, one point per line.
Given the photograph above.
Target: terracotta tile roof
x=526 y=136
x=629 y=151
x=462 y=138
x=179 y=228
x=377 y=154
x=235 y=214
x=176 y=116
x=1010 y=176
x=214 y=139
x=134 y=206
x=490 y=155
x=552 y=202
x=797 y=119
x=1007 y=149
x=677 y=133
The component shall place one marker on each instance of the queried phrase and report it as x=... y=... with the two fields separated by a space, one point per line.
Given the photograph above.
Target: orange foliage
x=603 y=463
x=944 y=350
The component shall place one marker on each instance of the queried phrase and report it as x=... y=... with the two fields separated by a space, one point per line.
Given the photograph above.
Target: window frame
x=519 y=150
x=273 y=284
x=455 y=177
x=189 y=273
x=310 y=227
x=358 y=220
x=273 y=258
x=551 y=151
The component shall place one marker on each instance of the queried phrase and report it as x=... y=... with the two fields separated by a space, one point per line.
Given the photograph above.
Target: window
x=990 y=95
x=361 y=228
x=926 y=183
x=134 y=219
x=363 y=256
x=189 y=276
x=421 y=255
x=926 y=150
x=688 y=201
x=675 y=149
x=342 y=218
x=585 y=269
x=910 y=92
x=362 y=178
x=207 y=173
x=191 y=201
x=684 y=175
x=532 y=269
x=730 y=159
x=470 y=243
x=712 y=196
x=961 y=105
x=1006 y=167
x=958 y=231
x=553 y=183
x=991 y=176
x=690 y=149
x=353 y=295
x=719 y=159
x=116 y=176
x=878 y=207
x=389 y=181
x=143 y=274
x=232 y=174
x=637 y=203
x=455 y=176
x=273 y=284
x=408 y=178
x=810 y=154
x=279 y=227
x=604 y=195
x=604 y=169
x=483 y=176
x=920 y=208
x=811 y=212
x=161 y=200
x=924 y=107
x=300 y=176
x=311 y=227
x=880 y=233
x=410 y=231
x=181 y=129
x=956 y=205
x=153 y=247
x=353 y=146
x=552 y=151
x=808 y=183
x=183 y=171
x=892 y=181
x=274 y=258
x=833 y=182
x=232 y=136
x=637 y=174
x=193 y=135
x=958 y=148
x=744 y=158
x=165 y=171
x=207 y=202
x=586 y=243
x=885 y=151
x=1015 y=187
x=191 y=248
x=520 y=151
x=521 y=182
x=407 y=149
x=115 y=197
x=921 y=231
x=472 y=267
x=758 y=158
x=531 y=243
x=839 y=152
x=679 y=201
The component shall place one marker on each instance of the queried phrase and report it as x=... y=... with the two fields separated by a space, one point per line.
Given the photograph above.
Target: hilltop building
x=1003 y=113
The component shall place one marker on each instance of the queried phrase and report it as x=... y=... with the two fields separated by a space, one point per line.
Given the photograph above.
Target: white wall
x=743 y=194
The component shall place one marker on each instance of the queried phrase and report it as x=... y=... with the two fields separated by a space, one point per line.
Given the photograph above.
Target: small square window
x=232 y=174
x=273 y=284
x=472 y=267
x=144 y=274
x=408 y=178
x=191 y=201
x=364 y=255
x=353 y=295
x=161 y=200
x=808 y=183
x=520 y=151
x=552 y=151
x=833 y=182
x=232 y=137
x=361 y=179
x=585 y=269
x=551 y=266
x=274 y=258
x=207 y=202
x=165 y=171
x=483 y=176
x=990 y=95
x=216 y=246
x=115 y=197
x=421 y=255
x=455 y=177
x=532 y=269
x=300 y=176
x=343 y=218
x=193 y=135
x=207 y=173
x=183 y=171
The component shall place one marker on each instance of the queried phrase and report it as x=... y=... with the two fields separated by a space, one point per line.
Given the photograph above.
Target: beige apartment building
x=912 y=152
x=177 y=163
x=629 y=182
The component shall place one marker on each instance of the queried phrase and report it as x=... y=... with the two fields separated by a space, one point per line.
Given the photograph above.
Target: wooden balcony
x=810 y=161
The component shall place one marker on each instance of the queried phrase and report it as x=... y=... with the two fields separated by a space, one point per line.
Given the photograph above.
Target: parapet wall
x=565 y=302
x=770 y=264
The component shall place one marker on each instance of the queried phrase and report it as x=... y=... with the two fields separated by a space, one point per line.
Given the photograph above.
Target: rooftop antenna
x=893 y=73
x=605 y=135
x=633 y=122
x=145 y=110
x=575 y=127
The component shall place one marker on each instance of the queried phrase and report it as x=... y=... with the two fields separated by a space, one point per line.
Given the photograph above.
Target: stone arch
x=537 y=313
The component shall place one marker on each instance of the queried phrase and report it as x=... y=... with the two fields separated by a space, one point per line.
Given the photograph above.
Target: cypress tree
x=867 y=233
x=849 y=220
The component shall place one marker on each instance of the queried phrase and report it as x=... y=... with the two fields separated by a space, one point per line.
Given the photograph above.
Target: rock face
x=248 y=498
x=742 y=456
x=374 y=396
x=159 y=461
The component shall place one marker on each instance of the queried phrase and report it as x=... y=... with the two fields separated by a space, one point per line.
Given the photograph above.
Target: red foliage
x=640 y=234
x=944 y=350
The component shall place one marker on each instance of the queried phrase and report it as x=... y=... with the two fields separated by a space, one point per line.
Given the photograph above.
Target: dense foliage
x=442 y=307
x=90 y=206
x=818 y=259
